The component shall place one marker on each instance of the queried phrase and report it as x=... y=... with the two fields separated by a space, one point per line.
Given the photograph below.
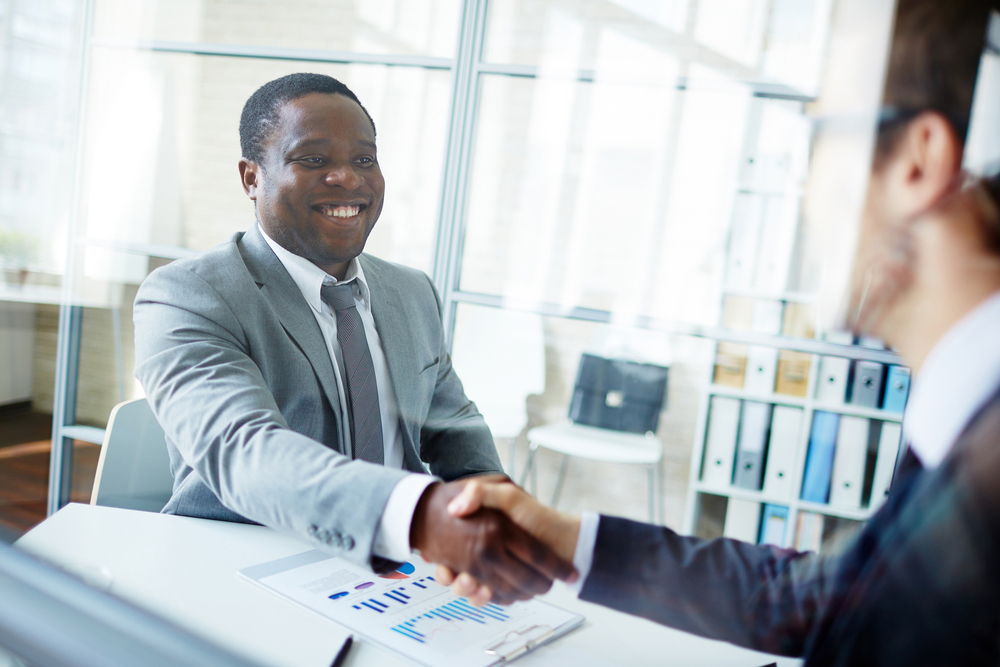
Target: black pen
x=342 y=654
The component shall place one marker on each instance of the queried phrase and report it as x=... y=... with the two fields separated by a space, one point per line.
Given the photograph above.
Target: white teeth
x=341 y=211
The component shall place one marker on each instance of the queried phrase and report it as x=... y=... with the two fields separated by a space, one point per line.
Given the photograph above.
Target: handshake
x=493 y=541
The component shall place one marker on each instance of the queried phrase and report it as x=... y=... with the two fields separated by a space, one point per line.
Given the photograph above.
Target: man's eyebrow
x=307 y=142
x=320 y=141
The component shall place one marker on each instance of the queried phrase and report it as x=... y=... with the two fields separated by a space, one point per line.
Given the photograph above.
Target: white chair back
x=134 y=469
x=500 y=357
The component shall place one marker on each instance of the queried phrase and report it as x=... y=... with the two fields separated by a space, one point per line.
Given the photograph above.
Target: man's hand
x=512 y=564
x=558 y=531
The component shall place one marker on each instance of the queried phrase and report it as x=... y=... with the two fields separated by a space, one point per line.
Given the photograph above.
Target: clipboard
x=409 y=613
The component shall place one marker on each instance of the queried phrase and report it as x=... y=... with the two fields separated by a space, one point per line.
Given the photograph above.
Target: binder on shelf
x=762 y=364
x=819 y=460
x=730 y=365
x=849 y=462
x=720 y=441
x=833 y=372
x=897 y=389
x=793 y=373
x=799 y=320
x=773 y=525
x=866 y=389
x=885 y=463
x=808 y=532
x=777 y=240
x=742 y=520
x=767 y=315
x=744 y=239
x=785 y=425
x=755 y=422
x=737 y=312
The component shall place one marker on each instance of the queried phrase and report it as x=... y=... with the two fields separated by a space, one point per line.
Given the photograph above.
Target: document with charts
x=408 y=612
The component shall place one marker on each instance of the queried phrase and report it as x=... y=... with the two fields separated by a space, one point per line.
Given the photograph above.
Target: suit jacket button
x=348 y=542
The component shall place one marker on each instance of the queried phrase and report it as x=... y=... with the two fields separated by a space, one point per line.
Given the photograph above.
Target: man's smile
x=340 y=211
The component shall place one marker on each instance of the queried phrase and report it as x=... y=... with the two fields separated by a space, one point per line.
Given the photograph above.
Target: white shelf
x=780 y=399
x=799 y=402
x=742 y=494
x=862 y=514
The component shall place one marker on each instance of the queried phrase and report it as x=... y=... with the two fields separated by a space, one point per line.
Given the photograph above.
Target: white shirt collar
x=960 y=374
x=310 y=278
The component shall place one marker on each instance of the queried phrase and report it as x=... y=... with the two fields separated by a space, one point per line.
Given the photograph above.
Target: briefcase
x=618 y=395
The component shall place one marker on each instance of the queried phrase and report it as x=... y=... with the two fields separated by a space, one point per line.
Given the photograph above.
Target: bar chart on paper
x=410 y=613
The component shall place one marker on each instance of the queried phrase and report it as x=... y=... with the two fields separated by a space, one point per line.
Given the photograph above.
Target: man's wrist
x=418 y=526
x=392 y=539
x=583 y=553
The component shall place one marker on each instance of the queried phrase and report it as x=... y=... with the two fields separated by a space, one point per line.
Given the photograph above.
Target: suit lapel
x=294 y=314
x=398 y=346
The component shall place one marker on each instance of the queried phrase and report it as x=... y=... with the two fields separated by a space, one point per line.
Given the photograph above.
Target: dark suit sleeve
x=454 y=438
x=759 y=597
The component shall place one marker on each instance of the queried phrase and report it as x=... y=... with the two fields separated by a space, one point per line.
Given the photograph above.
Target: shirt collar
x=960 y=375
x=310 y=279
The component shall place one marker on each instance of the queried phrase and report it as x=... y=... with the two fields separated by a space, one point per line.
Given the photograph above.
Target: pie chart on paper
x=402 y=572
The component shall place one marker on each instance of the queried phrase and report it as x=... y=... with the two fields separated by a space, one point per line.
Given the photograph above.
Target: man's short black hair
x=260 y=113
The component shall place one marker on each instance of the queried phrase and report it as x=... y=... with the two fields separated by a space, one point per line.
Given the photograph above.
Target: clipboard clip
x=518 y=642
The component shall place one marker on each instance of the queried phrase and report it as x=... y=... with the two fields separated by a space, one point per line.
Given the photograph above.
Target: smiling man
x=307 y=386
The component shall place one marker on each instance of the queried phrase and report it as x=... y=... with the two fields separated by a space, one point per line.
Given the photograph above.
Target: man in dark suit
x=920 y=584
x=306 y=386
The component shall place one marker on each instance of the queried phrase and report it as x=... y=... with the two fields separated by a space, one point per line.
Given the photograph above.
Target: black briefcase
x=618 y=395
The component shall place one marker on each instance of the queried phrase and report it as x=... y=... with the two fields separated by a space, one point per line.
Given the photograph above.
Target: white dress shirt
x=961 y=373
x=392 y=539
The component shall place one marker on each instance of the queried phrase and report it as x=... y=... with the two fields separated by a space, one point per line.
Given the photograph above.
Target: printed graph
x=449 y=618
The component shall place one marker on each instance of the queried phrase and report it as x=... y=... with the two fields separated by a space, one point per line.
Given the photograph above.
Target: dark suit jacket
x=237 y=372
x=920 y=585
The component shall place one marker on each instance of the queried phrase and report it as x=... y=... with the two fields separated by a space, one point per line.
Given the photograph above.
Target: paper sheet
x=408 y=612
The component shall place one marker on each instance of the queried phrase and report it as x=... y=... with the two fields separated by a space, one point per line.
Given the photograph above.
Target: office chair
x=133 y=471
x=613 y=419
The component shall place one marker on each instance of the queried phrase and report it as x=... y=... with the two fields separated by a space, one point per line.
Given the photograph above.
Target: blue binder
x=773 y=525
x=897 y=389
x=819 y=461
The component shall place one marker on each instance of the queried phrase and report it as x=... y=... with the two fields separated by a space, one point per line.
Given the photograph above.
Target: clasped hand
x=493 y=541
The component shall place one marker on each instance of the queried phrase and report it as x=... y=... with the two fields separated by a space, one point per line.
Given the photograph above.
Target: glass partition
x=420 y=27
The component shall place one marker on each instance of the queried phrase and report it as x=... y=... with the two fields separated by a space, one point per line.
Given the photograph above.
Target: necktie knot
x=340 y=297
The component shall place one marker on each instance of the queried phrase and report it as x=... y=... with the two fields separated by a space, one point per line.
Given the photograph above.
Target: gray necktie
x=362 y=393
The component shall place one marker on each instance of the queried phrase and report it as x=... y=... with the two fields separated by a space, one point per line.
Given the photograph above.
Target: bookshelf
x=766 y=292
x=698 y=519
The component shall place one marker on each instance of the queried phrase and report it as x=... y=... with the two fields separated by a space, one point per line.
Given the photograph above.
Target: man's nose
x=345 y=176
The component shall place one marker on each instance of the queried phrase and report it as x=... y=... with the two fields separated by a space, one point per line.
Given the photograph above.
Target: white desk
x=185 y=570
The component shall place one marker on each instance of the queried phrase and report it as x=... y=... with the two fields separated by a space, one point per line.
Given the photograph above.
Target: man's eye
x=313 y=161
x=366 y=160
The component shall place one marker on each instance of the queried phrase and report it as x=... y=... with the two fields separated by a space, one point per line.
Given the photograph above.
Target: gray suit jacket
x=237 y=372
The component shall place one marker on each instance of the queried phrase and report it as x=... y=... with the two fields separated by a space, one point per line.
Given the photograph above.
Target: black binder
x=618 y=395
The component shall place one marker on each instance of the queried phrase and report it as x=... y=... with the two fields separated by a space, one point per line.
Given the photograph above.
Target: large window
x=607 y=173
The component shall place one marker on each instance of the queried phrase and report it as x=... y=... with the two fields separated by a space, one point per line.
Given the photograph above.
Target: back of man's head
x=262 y=109
x=936 y=50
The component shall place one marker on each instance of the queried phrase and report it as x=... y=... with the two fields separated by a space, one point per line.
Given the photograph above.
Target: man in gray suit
x=306 y=386
x=920 y=583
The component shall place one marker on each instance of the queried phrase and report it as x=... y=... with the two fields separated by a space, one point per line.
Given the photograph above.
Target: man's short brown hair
x=936 y=49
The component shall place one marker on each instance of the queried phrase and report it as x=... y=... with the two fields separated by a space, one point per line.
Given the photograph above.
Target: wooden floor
x=24 y=469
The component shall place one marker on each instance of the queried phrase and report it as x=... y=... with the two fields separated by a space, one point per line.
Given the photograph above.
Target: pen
x=342 y=654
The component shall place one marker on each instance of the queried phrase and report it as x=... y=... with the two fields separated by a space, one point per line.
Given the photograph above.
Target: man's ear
x=250 y=177
x=928 y=161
